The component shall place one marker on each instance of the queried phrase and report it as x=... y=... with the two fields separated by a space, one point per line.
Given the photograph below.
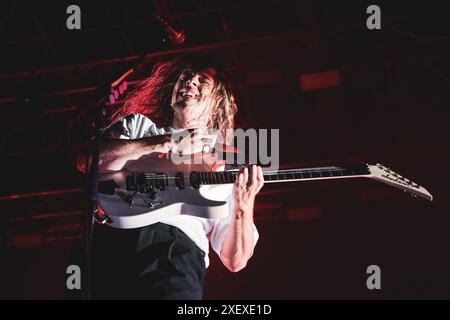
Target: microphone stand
x=93 y=172
x=91 y=198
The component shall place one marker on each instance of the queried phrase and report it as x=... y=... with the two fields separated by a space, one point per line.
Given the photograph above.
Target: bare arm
x=238 y=244
x=115 y=153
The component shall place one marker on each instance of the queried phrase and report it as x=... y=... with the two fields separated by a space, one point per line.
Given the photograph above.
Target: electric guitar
x=149 y=190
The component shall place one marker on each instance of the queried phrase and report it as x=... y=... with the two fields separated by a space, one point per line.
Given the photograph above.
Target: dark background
x=391 y=106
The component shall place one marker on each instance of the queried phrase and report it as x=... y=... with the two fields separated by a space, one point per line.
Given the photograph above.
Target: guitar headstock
x=386 y=175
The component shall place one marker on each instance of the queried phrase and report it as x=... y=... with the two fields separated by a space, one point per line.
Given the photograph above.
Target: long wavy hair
x=152 y=97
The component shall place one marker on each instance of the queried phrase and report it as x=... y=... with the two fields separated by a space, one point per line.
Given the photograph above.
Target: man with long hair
x=167 y=260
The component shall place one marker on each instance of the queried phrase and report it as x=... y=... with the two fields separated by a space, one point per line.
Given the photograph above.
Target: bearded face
x=193 y=91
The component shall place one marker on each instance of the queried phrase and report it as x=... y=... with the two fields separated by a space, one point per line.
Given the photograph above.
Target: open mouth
x=188 y=95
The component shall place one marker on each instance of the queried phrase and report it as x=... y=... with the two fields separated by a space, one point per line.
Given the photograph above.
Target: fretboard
x=204 y=178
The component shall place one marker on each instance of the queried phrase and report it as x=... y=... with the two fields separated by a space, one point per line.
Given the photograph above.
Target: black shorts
x=158 y=261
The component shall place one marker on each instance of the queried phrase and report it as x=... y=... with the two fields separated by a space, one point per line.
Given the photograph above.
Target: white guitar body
x=145 y=211
x=208 y=201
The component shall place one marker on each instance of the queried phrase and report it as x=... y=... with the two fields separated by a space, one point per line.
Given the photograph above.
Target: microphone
x=177 y=37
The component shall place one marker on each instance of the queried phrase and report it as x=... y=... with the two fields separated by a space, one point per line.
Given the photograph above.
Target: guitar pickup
x=145 y=182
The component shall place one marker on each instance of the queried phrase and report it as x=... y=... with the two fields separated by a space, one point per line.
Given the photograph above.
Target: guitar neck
x=333 y=172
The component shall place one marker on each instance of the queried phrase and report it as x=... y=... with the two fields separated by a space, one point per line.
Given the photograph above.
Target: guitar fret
x=298 y=175
x=326 y=173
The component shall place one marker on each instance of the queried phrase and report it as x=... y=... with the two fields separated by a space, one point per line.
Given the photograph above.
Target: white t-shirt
x=135 y=126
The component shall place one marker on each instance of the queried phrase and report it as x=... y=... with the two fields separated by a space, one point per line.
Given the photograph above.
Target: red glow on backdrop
x=264 y=77
x=40 y=194
x=26 y=240
x=326 y=79
x=303 y=213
